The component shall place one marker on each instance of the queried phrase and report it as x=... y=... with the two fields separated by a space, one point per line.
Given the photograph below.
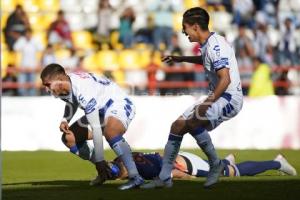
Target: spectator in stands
x=59 y=31
x=243 y=11
x=261 y=42
x=261 y=82
x=244 y=51
x=163 y=20
x=126 y=33
x=28 y=46
x=172 y=76
x=104 y=23
x=287 y=44
x=10 y=77
x=145 y=35
x=16 y=25
x=48 y=56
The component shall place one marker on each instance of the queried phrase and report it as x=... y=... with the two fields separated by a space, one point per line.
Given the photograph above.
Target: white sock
x=204 y=141
x=171 y=150
x=121 y=148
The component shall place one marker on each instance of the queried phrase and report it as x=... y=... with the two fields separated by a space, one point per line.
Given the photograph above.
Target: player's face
x=56 y=87
x=190 y=31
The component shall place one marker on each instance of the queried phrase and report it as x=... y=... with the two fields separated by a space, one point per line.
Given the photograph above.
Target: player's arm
x=223 y=83
x=189 y=59
x=70 y=110
x=101 y=165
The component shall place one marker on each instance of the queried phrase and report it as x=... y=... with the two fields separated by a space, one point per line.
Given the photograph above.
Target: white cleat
x=231 y=159
x=285 y=166
x=97 y=181
x=158 y=183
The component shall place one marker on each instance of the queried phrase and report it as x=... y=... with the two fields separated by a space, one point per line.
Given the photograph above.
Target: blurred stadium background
x=125 y=40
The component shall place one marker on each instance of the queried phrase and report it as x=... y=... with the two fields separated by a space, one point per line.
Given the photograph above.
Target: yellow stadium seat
x=8 y=5
x=4 y=17
x=107 y=60
x=90 y=64
x=191 y=3
x=4 y=62
x=41 y=22
x=82 y=39
x=129 y=59
x=119 y=77
x=177 y=21
x=62 y=54
x=157 y=58
x=30 y=5
x=114 y=39
x=49 y=5
x=144 y=58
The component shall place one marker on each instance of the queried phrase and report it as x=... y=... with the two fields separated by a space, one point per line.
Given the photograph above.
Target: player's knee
x=178 y=127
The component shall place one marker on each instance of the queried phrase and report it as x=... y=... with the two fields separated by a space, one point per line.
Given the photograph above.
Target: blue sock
x=204 y=141
x=251 y=168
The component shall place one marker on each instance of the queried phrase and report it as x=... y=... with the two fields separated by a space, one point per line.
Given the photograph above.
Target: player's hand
x=103 y=170
x=172 y=59
x=201 y=109
x=64 y=127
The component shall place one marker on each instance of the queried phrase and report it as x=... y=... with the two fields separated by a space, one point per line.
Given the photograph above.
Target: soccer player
x=188 y=165
x=224 y=100
x=100 y=98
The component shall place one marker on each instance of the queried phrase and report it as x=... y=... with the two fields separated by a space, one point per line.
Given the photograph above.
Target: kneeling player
x=188 y=165
x=100 y=98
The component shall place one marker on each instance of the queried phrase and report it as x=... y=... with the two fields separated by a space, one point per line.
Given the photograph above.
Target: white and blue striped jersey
x=93 y=92
x=218 y=54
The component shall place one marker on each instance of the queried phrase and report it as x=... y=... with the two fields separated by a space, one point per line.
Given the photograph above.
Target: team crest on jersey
x=217 y=49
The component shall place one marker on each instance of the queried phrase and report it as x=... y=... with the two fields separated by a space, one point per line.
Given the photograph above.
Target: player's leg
x=198 y=125
x=208 y=119
x=177 y=131
x=117 y=120
x=76 y=139
x=252 y=168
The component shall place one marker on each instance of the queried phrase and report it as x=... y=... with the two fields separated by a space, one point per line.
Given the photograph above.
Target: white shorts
x=123 y=110
x=225 y=108
x=197 y=163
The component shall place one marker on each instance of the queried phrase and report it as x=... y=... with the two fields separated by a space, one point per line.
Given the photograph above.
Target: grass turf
x=48 y=175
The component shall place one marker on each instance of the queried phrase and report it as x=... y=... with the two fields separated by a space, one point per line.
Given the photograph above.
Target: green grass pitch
x=49 y=175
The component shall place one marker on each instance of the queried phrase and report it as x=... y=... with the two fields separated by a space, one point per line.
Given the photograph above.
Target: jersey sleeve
x=87 y=96
x=219 y=56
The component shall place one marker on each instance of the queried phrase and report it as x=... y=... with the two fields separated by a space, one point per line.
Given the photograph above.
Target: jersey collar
x=204 y=43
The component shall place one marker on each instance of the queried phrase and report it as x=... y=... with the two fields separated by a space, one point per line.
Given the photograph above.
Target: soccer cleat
x=158 y=183
x=132 y=183
x=285 y=166
x=214 y=174
x=231 y=159
x=97 y=181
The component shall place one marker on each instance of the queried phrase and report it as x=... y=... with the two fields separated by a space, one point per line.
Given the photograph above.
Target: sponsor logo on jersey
x=90 y=107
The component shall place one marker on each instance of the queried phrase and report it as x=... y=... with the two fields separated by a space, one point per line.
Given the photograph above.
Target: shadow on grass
x=183 y=189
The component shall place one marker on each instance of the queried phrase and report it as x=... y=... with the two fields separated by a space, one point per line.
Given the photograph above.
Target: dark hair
x=52 y=70
x=198 y=16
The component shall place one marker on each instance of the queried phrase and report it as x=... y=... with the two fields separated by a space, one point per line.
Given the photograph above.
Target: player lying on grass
x=188 y=165
x=106 y=107
x=224 y=101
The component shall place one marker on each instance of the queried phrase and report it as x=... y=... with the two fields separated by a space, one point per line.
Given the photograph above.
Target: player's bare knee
x=178 y=127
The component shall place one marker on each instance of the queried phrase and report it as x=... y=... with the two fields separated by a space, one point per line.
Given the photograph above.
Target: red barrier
x=153 y=84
